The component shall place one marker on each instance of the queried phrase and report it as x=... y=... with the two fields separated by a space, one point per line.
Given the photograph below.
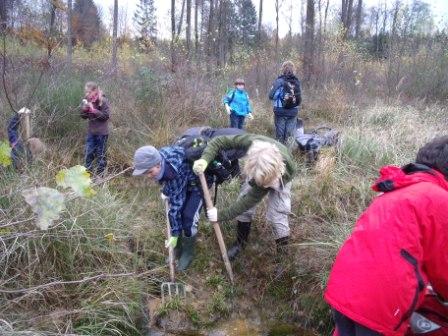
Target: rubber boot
x=242 y=236
x=282 y=254
x=186 y=257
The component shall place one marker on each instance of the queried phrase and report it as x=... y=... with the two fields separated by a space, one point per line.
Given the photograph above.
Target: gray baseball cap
x=145 y=158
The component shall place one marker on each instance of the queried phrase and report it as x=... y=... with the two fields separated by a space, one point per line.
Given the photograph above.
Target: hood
x=393 y=177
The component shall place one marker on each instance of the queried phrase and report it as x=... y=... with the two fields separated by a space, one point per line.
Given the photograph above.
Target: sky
x=439 y=7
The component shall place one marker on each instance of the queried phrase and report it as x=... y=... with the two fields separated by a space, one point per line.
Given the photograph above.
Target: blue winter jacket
x=239 y=104
x=176 y=188
x=275 y=95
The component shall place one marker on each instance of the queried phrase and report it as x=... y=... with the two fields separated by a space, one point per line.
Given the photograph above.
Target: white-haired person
x=269 y=170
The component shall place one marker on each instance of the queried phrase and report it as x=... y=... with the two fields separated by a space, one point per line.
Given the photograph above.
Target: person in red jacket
x=398 y=246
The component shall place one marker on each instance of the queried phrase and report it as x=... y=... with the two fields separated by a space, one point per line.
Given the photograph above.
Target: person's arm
x=249 y=105
x=274 y=88
x=227 y=97
x=176 y=193
x=244 y=203
x=299 y=93
x=103 y=113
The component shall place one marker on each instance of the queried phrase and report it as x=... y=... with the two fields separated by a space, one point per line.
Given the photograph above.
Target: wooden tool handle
x=218 y=233
x=170 y=248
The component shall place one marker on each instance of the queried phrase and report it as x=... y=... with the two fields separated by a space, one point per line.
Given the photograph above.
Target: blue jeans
x=236 y=121
x=348 y=327
x=96 y=146
x=285 y=128
x=191 y=212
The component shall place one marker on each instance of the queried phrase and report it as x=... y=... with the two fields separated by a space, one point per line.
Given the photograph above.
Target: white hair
x=264 y=163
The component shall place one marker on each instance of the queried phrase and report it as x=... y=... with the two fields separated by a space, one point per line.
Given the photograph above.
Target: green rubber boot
x=187 y=254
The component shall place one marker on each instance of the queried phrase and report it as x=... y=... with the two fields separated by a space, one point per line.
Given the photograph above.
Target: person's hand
x=90 y=106
x=199 y=166
x=250 y=116
x=172 y=242
x=163 y=197
x=229 y=111
x=212 y=214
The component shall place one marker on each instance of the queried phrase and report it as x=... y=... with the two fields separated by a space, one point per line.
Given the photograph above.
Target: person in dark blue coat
x=286 y=98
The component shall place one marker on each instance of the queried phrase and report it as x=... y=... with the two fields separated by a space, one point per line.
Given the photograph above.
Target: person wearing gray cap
x=171 y=169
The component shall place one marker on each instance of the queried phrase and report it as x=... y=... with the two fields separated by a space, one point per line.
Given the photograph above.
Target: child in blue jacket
x=237 y=104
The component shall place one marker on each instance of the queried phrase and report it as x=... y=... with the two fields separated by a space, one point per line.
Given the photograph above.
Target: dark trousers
x=348 y=327
x=18 y=155
x=285 y=128
x=96 y=147
x=236 y=121
x=191 y=212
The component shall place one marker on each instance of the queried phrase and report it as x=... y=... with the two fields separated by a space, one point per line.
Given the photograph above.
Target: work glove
x=229 y=111
x=163 y=197
x=199 y=166
x=172 y=242
x=212 y=214
x=250 y=116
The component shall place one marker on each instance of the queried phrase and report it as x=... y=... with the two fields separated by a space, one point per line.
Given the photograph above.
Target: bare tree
x=114 y=37
x=181 y=19
x=196 y=32
x=173 y=34
x=308 y=56
x=358 y=19
x=346 y=16
x=188 y=30
x=211 y=28
x=260 y=19
x=69 y=33
x=326 y=16
x=277 y=10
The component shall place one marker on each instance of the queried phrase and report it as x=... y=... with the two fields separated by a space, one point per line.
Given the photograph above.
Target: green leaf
x=46 y=203
x=78 y=179
x=5 y=154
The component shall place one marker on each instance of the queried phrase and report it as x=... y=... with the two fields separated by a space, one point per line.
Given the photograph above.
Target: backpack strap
x=232 y=97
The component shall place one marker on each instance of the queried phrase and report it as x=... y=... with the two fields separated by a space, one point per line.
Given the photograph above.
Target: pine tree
x=146 y=19
x=86 y=22
x=246 y=22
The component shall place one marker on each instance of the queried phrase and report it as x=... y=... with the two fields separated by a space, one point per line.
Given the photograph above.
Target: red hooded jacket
x=399 y=244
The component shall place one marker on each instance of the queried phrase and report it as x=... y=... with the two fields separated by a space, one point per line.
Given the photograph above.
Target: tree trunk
x=173 y=35
x=69 y=33
x=196 y=32
x=188 y=30
x=346 y=16
x=326 y=16
x=50 y=29
x=358 y=19
x=260 y=18
x=181 y=19
x=210 y=30
x=308 y=59
x=3 y=14
x=277 y=9
x=114 y=38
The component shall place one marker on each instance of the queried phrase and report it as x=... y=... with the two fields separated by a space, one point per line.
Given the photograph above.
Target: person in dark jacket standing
x=397 y=248
x=95 y=108
x=286 y=98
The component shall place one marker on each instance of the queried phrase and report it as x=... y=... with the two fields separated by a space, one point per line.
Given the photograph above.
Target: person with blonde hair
x=95 y=108
x=269 y=170
x=286 y=97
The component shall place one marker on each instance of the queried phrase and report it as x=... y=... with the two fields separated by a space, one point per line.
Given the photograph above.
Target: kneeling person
x=269 y=170
x=170 y=168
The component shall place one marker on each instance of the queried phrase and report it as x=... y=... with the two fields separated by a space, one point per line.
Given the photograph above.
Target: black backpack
x=290 y=95
x=226 y=165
